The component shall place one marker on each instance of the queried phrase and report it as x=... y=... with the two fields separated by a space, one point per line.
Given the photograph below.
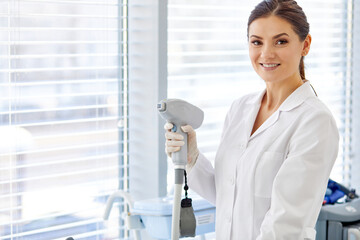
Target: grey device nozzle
x=180 y=113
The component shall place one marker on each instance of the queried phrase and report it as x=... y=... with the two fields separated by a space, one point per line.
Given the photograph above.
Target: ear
x=306 y=47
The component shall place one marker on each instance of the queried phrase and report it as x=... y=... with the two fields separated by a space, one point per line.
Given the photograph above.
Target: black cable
x=186 y=187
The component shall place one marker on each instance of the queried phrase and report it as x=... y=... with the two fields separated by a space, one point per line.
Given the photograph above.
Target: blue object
x=335 y=193
x=156 y=214
x=328 y=192
x=334 y=197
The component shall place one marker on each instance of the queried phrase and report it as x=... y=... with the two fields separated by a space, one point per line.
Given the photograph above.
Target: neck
x=276 y=93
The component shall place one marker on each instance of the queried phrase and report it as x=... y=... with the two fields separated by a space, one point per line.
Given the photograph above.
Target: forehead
x=270 y=26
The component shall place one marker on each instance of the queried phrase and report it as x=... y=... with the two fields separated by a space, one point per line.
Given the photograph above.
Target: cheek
x=291 y=57
x=253 y=54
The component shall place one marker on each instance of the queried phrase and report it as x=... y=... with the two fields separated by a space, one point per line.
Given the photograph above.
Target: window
x=209 y=66
x=61 y=138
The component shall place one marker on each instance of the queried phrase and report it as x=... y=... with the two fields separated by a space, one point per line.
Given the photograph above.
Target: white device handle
x=175 y=226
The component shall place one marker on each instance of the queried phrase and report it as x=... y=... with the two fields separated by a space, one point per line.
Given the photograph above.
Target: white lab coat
x=270 y=185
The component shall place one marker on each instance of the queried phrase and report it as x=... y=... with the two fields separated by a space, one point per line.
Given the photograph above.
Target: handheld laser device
x=179 y=113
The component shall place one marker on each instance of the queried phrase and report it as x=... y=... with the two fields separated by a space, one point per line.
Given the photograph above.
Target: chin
x=268 y=78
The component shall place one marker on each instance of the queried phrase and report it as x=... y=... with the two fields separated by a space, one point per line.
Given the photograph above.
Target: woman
x=277 y=147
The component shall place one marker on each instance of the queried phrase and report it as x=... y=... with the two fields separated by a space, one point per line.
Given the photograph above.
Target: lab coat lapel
x=268 y=123
x=254 y=106
x=295 y=99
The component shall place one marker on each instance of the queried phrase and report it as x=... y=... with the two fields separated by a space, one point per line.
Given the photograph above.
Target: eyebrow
x=276 y=36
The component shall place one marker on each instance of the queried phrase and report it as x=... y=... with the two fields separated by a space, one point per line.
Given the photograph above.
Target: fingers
x=173 y=140
x=173 y=146
x=173 y=136
x=168 y=126
x=174 y=143
x=170 y=150
x=187 y=128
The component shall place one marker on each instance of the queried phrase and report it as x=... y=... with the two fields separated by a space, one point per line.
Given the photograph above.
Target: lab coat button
x=232 y=181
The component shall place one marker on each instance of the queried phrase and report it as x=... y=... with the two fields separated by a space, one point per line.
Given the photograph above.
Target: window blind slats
x=63 y=15
x=87 y=186
x=28 y=70
x=88 y=107
x=25 y=97
x=53 y=42
x=64 y=122
x=60 y=175
x=64 y=56
x=55 y=29
x=60 y=117
x=34 y=83
x=65 y=147
x=59 y=162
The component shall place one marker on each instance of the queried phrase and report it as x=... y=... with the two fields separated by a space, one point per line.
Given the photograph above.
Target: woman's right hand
x=174 y=141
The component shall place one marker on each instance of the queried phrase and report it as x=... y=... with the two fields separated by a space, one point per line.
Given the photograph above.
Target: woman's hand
x=174 y=141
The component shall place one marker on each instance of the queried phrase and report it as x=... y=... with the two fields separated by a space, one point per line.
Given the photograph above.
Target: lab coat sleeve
x=201 y=179
x=299 y=187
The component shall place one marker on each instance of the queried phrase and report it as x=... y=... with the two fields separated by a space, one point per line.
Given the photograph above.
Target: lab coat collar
x=295 y=99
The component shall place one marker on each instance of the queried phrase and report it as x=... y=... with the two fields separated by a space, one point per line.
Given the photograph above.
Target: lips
x=270 y=66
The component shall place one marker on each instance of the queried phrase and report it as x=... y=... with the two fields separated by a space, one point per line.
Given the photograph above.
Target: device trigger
x=174 y=129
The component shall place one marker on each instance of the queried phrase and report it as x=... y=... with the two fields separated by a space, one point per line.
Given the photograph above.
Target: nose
x=267 y=52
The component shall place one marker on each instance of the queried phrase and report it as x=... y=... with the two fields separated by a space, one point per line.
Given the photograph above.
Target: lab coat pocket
x=265 y=172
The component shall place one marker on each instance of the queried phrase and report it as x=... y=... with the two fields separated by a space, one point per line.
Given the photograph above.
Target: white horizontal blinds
x=208 y=62
x=59 y=109
x=209 y=66
x=326 y=65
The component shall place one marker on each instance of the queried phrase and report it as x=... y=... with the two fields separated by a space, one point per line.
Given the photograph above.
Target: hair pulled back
x=288 y=10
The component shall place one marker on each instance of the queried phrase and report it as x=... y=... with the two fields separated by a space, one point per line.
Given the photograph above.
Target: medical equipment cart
x=339 y=221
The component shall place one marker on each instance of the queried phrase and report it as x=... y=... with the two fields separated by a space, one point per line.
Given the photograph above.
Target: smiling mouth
x=270 y=65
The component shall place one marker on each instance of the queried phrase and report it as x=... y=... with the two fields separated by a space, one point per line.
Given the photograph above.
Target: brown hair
x=288 y=10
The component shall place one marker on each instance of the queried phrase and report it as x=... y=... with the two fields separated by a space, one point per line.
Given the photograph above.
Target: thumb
x=188 y=129
x=168 y=126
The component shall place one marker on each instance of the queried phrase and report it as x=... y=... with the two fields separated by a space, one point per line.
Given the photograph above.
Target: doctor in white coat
x=278 y=146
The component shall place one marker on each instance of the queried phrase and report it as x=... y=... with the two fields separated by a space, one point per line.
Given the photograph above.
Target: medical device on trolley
x=339 y=221
x=187 y=217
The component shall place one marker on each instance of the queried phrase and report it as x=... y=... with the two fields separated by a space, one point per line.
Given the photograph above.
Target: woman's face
x=275 y=49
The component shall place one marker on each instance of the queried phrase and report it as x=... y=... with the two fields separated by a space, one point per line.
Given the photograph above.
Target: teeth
x=270 y=65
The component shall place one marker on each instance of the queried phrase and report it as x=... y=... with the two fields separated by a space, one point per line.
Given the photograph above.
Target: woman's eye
x=256 y=43
x=281 y=42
